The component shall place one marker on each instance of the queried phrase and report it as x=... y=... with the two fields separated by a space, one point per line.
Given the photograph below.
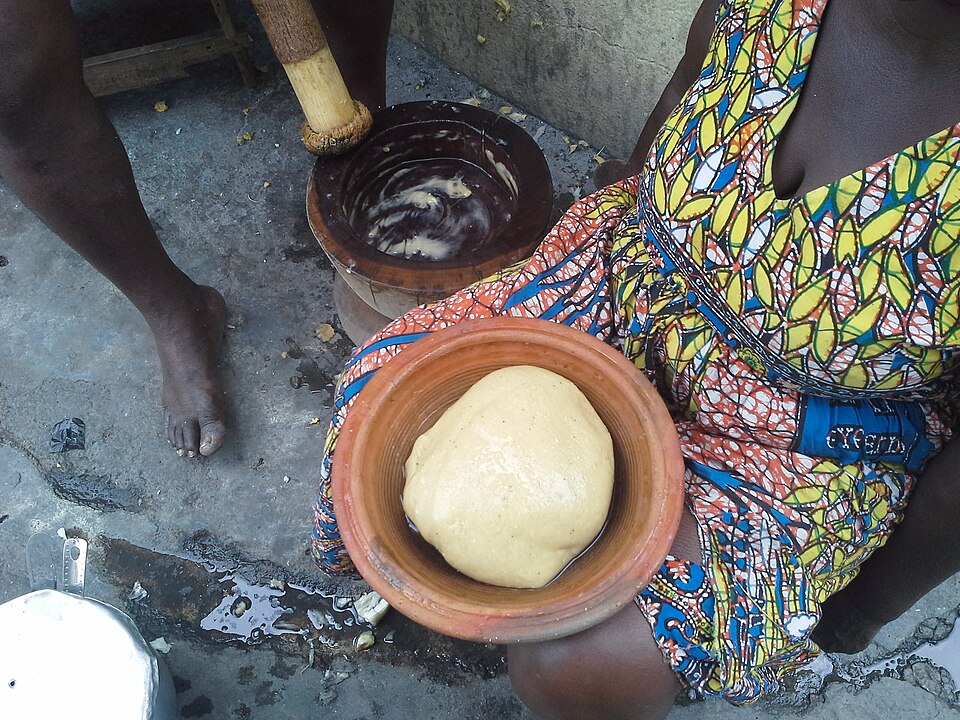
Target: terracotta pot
x=518 y=197
x=407 y=396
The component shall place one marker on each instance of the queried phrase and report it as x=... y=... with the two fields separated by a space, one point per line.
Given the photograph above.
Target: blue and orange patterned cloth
x=804 y=346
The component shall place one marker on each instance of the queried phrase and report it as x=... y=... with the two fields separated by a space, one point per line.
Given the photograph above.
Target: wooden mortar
x=414 y=134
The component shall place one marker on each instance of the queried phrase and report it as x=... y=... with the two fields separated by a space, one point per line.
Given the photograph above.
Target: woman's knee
x=612 y=671
x=941 y=478
x=548 y=677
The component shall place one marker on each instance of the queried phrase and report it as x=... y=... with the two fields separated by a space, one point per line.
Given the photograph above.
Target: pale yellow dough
x=514 y=480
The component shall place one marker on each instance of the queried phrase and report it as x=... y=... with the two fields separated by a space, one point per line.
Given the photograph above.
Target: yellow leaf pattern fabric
x=846 y=301
x=892 y=226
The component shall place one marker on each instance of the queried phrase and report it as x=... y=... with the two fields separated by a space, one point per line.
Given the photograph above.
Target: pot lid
x=67 y=656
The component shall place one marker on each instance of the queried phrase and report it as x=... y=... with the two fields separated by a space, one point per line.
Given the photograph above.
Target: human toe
x=191 y=437
x=212 y=435
x=169 y=427
x=178 y=439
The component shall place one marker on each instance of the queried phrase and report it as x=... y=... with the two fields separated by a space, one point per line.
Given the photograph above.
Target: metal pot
x=66 y=656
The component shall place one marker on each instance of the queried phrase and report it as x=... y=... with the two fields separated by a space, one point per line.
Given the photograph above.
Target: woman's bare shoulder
x=698 y=39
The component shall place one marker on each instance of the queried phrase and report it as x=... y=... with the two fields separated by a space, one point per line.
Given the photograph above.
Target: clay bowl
x=500 y=222
x=407 y=396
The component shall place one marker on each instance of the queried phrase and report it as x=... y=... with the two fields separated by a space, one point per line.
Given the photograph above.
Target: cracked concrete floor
x=195 y=532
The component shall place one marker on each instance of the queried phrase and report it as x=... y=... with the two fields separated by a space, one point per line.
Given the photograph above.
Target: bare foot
x=188 y=341
x=843 y=628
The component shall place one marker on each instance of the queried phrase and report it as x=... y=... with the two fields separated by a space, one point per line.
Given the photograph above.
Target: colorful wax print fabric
x=850 y=287
x=804 y=346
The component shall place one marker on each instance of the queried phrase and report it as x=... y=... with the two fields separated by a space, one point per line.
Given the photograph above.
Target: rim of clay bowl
x=531 y=220
x=523 y=618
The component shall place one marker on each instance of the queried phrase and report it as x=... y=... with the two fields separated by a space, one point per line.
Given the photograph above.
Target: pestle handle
x=335 y=122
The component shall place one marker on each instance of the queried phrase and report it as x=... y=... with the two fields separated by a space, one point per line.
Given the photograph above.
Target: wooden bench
x=149 y=64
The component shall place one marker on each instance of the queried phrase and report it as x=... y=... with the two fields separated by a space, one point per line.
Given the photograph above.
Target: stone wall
x=592 y=67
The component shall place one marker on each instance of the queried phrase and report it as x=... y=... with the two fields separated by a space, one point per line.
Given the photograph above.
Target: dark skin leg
x=613 y=671
x=358 y=33
x=922 y=552
x=62 y=157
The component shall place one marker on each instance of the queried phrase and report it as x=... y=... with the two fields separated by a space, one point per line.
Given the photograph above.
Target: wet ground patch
x=212 y=593
x=318 y=369
x=97 y=492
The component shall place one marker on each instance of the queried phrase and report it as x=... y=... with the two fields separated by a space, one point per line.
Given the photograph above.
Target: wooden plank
x=149 y=64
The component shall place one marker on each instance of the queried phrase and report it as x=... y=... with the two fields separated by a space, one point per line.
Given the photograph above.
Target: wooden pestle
x=335 y=121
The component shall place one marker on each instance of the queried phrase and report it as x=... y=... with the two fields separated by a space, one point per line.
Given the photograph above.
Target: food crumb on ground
x=325 y=332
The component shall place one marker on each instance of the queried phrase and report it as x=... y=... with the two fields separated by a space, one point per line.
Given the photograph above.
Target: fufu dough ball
x=514 y=480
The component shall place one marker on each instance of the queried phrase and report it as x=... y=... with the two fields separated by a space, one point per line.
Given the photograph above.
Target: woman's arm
x=698 y=42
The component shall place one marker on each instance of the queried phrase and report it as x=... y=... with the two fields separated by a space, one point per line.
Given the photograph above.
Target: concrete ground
x=199 y=535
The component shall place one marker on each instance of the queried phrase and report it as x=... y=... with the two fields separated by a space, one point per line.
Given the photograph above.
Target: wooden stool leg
x=247 y=70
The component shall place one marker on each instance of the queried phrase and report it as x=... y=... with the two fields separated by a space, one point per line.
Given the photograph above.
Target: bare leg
x=922 y=552
x=358 y=33
x=613 y=671
x=62 y=157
